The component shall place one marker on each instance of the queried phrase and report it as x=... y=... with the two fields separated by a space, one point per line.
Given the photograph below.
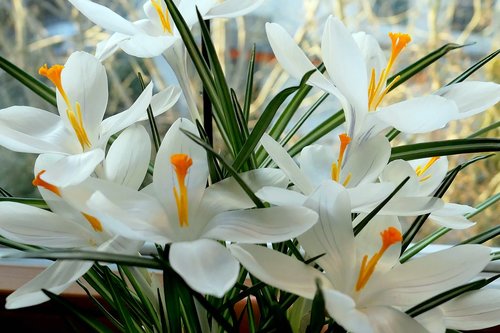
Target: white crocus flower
x=157 y=33
x=425 y=177
x=474 y=310
x=357 y=76
x=365 y=287
x=357 y=172
x=178 y=209
x=65 y=227
x=79 y=131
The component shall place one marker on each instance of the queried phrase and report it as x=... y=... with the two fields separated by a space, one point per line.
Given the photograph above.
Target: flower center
x=390 y=236
x=420 y=170
x=181 y=163
x=75 y=118
x=337 y=166
x=94 y=222
x=376 y=90
x=38 y=181
x=163 y=15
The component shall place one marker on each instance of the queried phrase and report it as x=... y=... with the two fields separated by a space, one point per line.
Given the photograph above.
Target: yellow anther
x=421 y=170
x=390 y=236
x=94 y=222
x=181 y=163
x=337 y=166
x=376 y=90
x=38 y=181
x=164 y=16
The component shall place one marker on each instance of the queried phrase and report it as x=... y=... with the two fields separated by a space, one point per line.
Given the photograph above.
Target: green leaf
x=15 y=245
x=151 y=118
x=483 y=236
x=69 y=254
x=228 y=167
x=317 y=320
x=29 y=81
x=119 y=305
x=249 y=86
x=39 y=203
x=474 y=68
x=70 y=308
x=261 y=126
x=446 y=147
x=485 y=130
x=448 y=295
x=375 y=211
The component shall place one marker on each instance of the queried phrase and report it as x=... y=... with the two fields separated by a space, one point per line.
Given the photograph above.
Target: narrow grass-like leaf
x=228 y=167
x=377 y=209
x=119 y=305
x=163 y=318
x=474 y=67
x=15 y=245
x=483 y=236
x=243 y=129
x=214 y=312
x=446 y=147
x=172 y=302
x=4 y=193
x=39 y=203
x=261 y=126
x=249 y=85
x=485 y=130
x=70 y=308
x=151 y=119
x=91 y=256
x=29 y=81
x=317 y=311
x=214 y=169
x=449 y=295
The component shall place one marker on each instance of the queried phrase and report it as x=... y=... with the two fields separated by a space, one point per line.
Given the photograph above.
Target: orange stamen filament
x=421 y=170
x=181 y=163
x=376 y=90
x=390 y=236
x=76 y=120
x=337 y=166
x=38 y=181
x=164 y=17
x=94 y=222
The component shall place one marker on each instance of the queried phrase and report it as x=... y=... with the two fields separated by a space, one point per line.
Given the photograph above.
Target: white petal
x=188 y=9
x=279 y=270
x=373 y=55
x=164 y=177
x=405 y=206
x=432 y=320
x=424 y=277
x=30 y=130
x=473 y=310
x=233 y=8
x=128 y=157
x=385 y=319
x=346 y=67
x=35 y=226
x=366 y=161
x=126 y=118
x=163 y=101
x=316 y=162
x=343 y=309
x=109 y=46
x=280 y=196
x=205 y=265
x=146 y=46
x=293 y=59
x=228 y=194
x=85 y=82
x=433 y=176
x=471 y=97
x=451 y=216
x=367 y=194
x=265 y=225
x=56 y=278
x=286 y=164
x=332 y=235
x=397 y=171
x=419 y=115
x=104 y=17
x=73 y=169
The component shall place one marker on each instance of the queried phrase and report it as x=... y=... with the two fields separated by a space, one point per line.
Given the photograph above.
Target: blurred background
x=35 y=32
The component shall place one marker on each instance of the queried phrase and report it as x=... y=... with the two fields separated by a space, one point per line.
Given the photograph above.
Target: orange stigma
x=38 y=181
x=181 y=163
x=164 y=17
x=75 y=118
x=376 y=90
x=94 y=222
x=390 y=236
x=421 y=170
x=337 y=166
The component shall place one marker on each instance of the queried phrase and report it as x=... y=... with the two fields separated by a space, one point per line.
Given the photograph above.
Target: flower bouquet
x=232 y=227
